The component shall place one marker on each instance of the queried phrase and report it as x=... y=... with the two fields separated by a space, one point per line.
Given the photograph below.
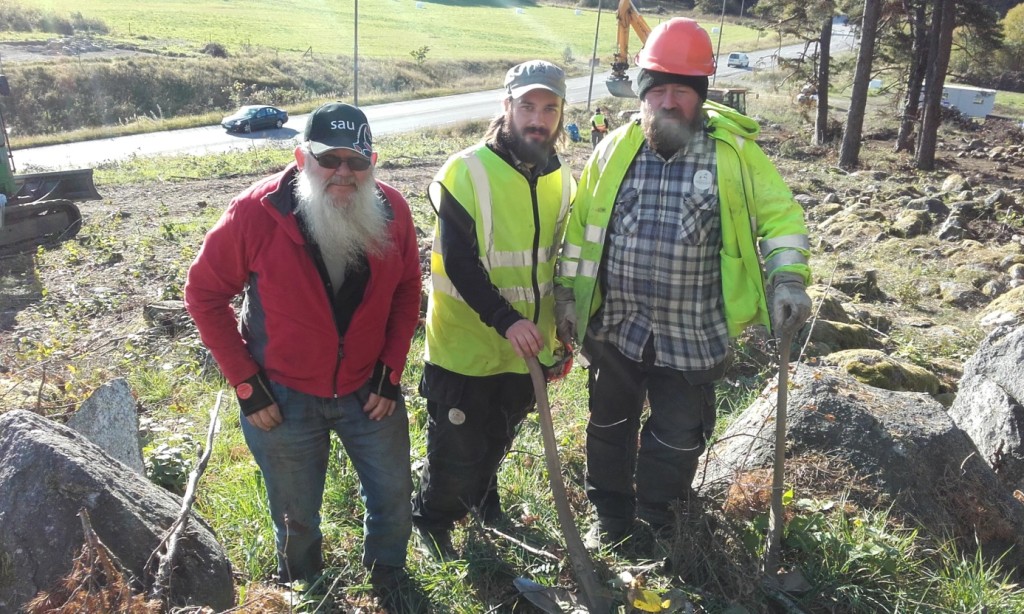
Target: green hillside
x=475 y=29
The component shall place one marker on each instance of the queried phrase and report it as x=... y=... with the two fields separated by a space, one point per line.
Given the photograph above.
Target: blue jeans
x=293 y=459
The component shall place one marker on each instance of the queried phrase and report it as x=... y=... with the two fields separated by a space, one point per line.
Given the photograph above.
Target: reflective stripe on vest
x=512 y=295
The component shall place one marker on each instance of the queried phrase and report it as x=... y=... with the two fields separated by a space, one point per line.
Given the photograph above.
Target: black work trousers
x=472 y=423
x=627 y=476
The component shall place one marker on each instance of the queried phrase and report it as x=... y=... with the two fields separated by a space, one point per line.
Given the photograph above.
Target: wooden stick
x=772 y=555
x=163 y=573
x=578 y=556
x=522 y=544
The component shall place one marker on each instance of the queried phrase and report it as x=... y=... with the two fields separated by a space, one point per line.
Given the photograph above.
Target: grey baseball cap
x=535 y=74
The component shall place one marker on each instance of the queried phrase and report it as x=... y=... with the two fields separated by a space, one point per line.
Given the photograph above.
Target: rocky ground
x=909 y=261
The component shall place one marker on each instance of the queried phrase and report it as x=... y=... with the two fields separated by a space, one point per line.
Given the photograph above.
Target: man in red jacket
x=325 y=258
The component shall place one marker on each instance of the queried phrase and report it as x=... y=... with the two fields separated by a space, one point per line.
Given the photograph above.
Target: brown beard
x=343 y=231
x=512 y=139
x=667 y=136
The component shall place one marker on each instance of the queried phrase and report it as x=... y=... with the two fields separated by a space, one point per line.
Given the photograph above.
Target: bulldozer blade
x=620 y=88
x=55 y=185
x=24 y=226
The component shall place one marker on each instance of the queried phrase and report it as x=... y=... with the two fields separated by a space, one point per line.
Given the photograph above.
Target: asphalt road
x=389 y=118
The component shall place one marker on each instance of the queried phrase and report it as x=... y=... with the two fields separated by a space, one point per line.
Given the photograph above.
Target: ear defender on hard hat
x=678 y=46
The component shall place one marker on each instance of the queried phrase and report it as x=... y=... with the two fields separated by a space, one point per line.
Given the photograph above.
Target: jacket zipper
x=533 y=256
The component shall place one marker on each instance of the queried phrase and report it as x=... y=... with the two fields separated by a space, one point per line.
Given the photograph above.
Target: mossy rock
x=827 y=304
x=1005 y=309
x=844 y=336
x=877 y=369
x=912 y=223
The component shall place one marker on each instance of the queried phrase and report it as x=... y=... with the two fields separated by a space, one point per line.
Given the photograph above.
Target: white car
x=738 y=60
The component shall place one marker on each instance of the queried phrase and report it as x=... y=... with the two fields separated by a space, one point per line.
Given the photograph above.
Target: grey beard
x=342 y=231
x=668 y=137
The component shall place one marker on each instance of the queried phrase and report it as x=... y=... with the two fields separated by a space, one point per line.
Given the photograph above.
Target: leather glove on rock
x=565 y=314
x=790 y=304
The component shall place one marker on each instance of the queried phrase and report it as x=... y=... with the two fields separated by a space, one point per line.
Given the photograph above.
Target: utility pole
x=718 y=51
x=355 y=57
x=593 y=57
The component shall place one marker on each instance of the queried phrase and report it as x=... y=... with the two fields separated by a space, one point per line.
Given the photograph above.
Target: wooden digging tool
x=581 y=564
x=775 y=518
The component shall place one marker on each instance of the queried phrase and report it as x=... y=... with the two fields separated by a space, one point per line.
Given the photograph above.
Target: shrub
x=15 y=18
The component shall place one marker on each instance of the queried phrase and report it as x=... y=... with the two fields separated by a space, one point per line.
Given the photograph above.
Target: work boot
x=490 y=510
x=606 y=536
x=436 y=542
x=396 y=592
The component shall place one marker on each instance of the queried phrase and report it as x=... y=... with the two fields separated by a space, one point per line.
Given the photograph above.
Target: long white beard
x=345 y=228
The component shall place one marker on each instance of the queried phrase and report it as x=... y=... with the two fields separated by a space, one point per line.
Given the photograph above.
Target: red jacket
x=287 y=323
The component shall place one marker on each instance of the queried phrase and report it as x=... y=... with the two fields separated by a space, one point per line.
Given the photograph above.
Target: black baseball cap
x=337 y=125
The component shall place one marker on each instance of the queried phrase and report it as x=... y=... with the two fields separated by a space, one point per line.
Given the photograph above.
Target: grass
x=387 y=28
x=1010 y=104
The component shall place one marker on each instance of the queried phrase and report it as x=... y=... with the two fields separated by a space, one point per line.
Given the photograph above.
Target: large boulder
x=48 y=472
x=900 y=445
x=988 y=406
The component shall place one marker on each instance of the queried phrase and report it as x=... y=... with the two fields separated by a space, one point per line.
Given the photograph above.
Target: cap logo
x=363 y=140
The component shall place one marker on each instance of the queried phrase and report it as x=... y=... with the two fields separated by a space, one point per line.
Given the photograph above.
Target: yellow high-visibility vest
x=519 y=230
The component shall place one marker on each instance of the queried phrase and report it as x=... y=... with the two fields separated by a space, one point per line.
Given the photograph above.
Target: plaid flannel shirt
x=662 y=274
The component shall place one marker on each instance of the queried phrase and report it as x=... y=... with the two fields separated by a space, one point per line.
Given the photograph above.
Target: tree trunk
x=850 y=149
x=915 y=79
x=821 y=135
x=945 y=13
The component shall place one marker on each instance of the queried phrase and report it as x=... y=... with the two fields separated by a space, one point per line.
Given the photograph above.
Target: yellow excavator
x=619 y=84
x=37 y=208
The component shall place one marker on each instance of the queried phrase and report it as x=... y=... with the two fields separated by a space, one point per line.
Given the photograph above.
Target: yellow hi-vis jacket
x=754 y=201
x=519 y=229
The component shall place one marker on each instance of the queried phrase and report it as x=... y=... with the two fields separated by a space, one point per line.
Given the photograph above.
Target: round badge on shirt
x=702 y=180
x=456 y=416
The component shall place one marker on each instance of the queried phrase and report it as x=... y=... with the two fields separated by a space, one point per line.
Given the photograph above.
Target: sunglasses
x=332 y=162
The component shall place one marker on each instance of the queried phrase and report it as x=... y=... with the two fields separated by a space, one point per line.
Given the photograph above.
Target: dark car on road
x=254 y=117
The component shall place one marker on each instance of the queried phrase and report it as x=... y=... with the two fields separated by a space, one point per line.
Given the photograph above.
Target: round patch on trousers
x=456 y=416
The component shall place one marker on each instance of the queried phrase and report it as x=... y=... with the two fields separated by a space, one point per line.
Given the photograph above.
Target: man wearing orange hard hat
x=660 y=268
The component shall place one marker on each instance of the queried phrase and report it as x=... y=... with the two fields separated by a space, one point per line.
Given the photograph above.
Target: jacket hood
x=727 y=118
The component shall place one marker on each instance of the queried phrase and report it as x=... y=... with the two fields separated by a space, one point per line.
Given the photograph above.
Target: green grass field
x=487 y=29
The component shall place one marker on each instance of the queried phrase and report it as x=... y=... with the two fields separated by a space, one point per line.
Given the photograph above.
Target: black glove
x=254 y=394
x=384 y=383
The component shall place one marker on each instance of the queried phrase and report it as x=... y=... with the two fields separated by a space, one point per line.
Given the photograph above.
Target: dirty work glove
x=565 y=314
x=790 y=304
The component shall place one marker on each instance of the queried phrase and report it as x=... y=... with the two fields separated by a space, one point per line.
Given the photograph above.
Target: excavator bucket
x=620 y=87
x=71 y=185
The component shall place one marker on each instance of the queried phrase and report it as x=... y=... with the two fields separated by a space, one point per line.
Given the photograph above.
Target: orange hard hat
x=678 y=46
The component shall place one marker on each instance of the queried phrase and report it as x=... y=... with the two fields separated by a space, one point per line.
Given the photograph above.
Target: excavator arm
x=627 y=17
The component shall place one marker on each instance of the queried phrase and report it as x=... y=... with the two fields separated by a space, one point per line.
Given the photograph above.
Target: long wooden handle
x=772 y=556
x=578 y=556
